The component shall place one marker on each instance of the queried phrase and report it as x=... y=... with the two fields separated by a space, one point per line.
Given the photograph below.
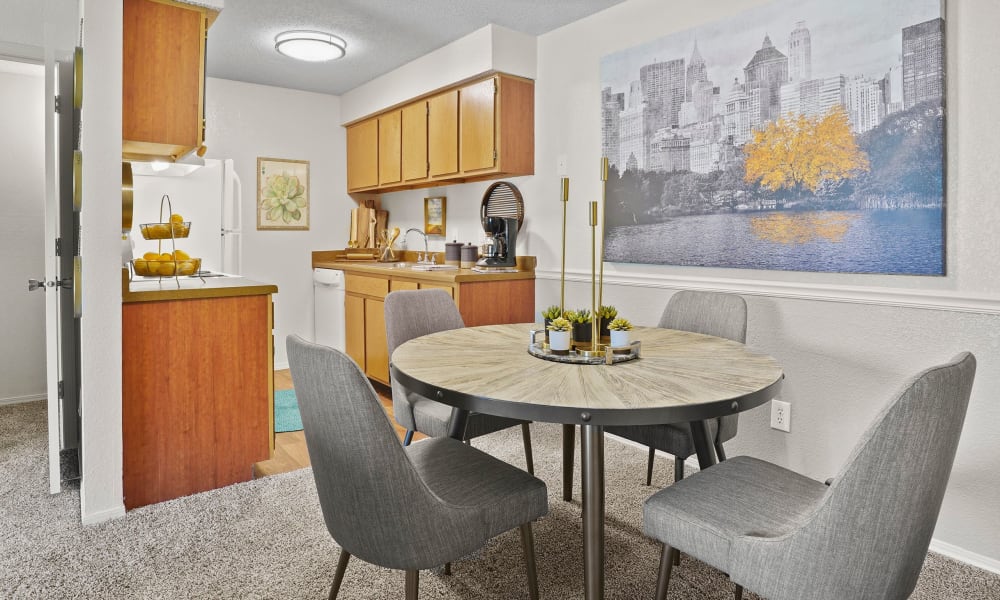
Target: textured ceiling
x=381 y=34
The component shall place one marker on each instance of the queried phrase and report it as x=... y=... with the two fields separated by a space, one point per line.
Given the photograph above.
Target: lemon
x=185 y=268
x=151 y=256
x=176 y=218
x=166 y=268
x=181 y=255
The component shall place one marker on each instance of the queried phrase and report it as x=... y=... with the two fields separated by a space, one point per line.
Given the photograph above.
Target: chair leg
x=666 y=566
x=412 y=582
x=738 y=592
x=408 y=437
x=338 y=576
x=569 y=447
x=720 y=451
x=649 y=466
x=529 y=460
x=678 y=469
x=528 y=542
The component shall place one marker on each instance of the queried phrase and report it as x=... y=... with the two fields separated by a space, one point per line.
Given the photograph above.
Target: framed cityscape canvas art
x=802 y=135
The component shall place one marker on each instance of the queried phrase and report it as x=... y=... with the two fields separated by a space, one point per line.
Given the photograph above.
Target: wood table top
x=680 y=376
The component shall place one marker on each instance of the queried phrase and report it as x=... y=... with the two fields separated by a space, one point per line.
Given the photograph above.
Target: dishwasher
x=328 y=308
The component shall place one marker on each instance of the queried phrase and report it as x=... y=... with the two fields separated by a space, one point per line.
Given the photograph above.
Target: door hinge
x=60 y=389
x=496 y=86
x=58 y=104
x=58 y=246
x=494 y=155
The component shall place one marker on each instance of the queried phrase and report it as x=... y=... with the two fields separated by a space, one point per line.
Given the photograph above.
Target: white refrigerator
x=209 y=197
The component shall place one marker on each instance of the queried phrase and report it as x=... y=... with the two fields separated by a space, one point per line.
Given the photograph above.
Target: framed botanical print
x=282 y=193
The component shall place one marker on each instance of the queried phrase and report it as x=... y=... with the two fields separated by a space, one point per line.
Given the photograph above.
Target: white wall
x=489 y=48
x=100 y=225
x=846 y=341
x=246 y=121
x=22 y=229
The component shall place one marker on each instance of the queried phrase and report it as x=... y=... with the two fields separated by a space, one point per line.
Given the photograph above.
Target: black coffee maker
x=501 y=239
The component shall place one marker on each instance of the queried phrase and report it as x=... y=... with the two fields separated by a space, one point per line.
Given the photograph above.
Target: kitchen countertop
x=333 y=259
x=188 y=288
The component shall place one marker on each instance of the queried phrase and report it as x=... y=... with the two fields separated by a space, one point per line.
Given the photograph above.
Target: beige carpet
x=266 y=539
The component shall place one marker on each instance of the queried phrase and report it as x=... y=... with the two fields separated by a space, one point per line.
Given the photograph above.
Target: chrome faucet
x=420 y=257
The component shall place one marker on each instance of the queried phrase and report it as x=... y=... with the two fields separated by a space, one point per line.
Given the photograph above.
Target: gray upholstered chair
x=413 y=313
x=786 y=536
x=402 y=508
x=711 y=313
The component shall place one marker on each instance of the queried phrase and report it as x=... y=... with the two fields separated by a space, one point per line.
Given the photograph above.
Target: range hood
x=183 y=165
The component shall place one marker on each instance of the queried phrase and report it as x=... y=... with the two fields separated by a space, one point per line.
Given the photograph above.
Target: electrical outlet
x=781 y=415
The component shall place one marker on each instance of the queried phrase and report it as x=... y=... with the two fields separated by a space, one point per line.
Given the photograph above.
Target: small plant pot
x=582 y=334
x=603 y=328
x=547 y=323
x=620 y=339
x=559 y=342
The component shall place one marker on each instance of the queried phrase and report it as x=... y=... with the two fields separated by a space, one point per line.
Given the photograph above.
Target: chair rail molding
x=943 y=300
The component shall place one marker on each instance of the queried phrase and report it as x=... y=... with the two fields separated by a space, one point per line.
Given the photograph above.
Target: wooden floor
x=290 y=451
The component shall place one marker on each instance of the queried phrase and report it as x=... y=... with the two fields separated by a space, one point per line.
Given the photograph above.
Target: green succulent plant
x=559 y=324
x=620 y=324
x=579 y=316
x=552 y=312
x=284 y=198
x=607 y=312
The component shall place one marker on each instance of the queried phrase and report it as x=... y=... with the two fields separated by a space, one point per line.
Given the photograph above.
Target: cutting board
x=366 y=223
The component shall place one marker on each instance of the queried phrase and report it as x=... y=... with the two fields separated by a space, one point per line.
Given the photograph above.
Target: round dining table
x=678 y=377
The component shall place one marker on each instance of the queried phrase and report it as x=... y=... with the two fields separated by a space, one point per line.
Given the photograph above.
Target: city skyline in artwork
x=795 y=136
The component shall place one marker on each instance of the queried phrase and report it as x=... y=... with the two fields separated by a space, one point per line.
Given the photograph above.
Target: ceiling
x=381 y=35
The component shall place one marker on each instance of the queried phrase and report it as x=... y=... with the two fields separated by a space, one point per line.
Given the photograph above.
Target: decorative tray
x=605 y=356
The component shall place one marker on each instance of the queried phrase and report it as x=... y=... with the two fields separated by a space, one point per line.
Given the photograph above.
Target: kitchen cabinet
x=480 y=302
x=484 y=129
x=390 y=146
x=362 y=155
x=163 y=78
x=442 y=134
x=414 y=141
x=496 y=128
x=197 y=391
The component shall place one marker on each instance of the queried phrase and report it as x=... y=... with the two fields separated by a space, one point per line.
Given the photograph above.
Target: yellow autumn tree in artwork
x=803 y=153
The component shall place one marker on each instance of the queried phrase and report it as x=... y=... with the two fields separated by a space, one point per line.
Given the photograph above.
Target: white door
x=62 y=267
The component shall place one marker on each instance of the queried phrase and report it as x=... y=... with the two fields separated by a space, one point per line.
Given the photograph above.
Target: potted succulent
x=549 y=314
x=559 y=335
x=605 y=315
x=581 y=321
x=620 y=329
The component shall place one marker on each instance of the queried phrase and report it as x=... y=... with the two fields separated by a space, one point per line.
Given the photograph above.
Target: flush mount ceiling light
x=313 y=46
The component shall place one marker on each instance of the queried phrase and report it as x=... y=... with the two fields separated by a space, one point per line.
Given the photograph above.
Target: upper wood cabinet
x=414 y=155
x=362 y=155
x=484 y=129
x=390 y=148
x=442 y=134
x=163 y=78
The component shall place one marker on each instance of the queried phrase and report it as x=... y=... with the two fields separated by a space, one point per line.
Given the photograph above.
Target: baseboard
x=965 y=556
x=23 y=399
x=103 y=515
x=944 y=548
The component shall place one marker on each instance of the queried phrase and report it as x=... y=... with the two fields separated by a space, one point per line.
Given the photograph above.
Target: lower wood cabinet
x=197 y=394
x=479 y=302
